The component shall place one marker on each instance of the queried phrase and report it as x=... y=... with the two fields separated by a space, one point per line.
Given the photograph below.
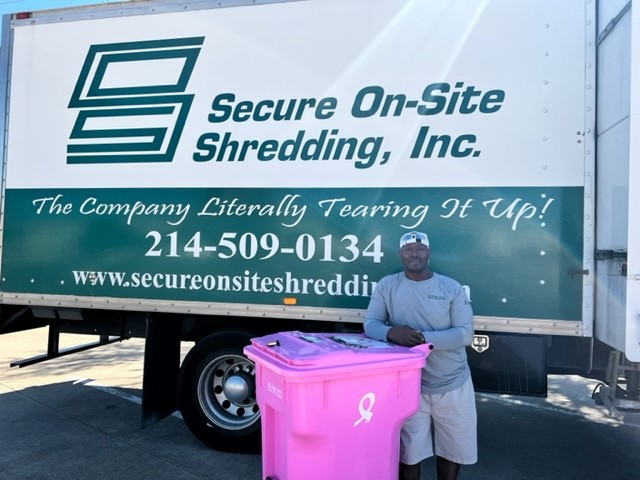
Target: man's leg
x=455 y=427
x=416 y=441
x=445 y=469
x=409 y=472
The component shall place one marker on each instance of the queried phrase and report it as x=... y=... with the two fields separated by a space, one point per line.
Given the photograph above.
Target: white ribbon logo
x=365 y=411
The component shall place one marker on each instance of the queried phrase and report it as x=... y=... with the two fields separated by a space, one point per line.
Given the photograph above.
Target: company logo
x=365 y=408
x=132 y=102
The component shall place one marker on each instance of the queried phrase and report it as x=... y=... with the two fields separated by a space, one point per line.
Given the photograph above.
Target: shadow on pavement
x=72 y=431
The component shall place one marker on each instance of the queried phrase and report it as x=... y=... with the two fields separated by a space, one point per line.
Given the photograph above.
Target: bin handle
x=424 y=348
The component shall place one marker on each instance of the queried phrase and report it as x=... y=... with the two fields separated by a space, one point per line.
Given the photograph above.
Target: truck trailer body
x=211 y=171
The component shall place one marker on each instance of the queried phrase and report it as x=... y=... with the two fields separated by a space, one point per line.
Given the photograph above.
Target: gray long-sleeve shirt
x=438 y=307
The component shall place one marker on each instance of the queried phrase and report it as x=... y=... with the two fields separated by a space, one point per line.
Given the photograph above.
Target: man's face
x=415 y=257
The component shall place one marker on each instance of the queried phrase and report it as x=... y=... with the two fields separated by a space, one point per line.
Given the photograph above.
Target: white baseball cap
x=414 y=237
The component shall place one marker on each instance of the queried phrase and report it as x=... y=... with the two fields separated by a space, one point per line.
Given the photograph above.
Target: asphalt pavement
x=78 y=417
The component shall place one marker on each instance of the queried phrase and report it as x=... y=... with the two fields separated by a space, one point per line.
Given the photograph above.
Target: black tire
x=217 y=416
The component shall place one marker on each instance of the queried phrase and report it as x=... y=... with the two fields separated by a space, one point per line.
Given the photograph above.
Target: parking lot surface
x=78 y=417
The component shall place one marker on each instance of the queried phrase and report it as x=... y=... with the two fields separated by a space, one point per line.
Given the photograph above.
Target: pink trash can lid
x=299 y=349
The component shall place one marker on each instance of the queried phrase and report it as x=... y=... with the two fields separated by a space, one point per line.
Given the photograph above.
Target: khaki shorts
x=446 y=421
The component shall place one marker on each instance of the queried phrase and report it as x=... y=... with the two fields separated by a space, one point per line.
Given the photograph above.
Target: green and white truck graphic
x=250 y=168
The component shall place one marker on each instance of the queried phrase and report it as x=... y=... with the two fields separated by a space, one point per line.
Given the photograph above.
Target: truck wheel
x=216 y=394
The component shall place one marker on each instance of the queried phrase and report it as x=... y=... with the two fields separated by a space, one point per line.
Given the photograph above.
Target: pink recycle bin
x=332 y=405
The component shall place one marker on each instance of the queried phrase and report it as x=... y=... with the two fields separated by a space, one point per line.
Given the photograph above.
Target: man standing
x=409 y=308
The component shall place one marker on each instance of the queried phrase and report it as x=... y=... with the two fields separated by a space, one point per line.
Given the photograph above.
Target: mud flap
x=161 y=367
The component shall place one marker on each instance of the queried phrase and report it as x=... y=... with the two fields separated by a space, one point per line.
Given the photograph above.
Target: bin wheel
x=216 y=394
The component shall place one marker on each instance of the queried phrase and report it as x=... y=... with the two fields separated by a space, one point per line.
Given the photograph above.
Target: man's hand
x=405 y=336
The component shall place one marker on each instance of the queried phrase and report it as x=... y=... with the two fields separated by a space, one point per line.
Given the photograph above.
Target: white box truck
x=210 y=171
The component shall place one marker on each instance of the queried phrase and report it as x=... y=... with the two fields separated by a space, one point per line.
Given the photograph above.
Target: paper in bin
x=329 y=350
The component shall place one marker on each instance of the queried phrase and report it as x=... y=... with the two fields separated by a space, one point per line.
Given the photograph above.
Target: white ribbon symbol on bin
x=365 y=412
